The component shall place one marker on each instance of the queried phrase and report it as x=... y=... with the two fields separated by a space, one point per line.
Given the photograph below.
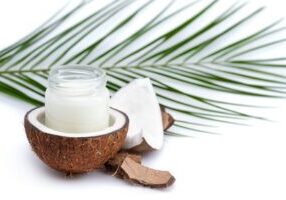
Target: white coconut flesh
x=138 y=100
x=37 y=118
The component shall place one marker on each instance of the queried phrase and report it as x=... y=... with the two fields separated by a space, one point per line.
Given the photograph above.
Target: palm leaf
x=189 y=73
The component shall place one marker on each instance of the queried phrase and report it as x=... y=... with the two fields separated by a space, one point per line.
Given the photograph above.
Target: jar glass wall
x=77 y=99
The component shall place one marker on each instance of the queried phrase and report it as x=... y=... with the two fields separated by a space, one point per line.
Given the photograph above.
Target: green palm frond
x=194 y=71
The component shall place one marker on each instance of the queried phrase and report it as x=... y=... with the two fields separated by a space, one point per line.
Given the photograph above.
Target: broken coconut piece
x=167 y=121
x=138 y=100
x=137 y=173
x=72 y=152
x=114 y=163
x=128 y=166
x=167 y=118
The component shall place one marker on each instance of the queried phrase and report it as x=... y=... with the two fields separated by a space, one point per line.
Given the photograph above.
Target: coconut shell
x=167 y=118
x=135 y=172
x=75 y=154
x=114 y=163
x=128 y=166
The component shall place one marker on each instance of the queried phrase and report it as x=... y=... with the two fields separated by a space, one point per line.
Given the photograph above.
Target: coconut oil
x=77 y=100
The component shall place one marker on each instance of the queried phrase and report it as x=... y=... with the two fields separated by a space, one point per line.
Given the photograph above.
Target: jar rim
x=76 y=76
x=95 y=73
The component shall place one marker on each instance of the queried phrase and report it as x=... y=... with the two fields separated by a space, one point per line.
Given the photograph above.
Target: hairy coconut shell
x=75 y=154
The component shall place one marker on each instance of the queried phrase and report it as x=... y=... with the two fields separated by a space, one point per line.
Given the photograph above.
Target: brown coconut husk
x=112 y=164
x=75 y=154
x=128 y=167
x=167 y=118
x=139 y=174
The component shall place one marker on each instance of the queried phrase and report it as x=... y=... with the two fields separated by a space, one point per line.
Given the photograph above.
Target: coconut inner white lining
x=37 y=116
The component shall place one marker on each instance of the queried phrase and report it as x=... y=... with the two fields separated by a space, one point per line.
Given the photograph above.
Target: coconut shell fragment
x=138 y=100
x=113 y=164
x=128 y=167
x=167 y=118
x=139 y=174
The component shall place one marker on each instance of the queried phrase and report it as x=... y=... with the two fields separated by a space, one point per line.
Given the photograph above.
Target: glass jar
x=77 y=100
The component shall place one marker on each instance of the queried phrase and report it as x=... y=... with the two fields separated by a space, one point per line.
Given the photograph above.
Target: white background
x=240 y=163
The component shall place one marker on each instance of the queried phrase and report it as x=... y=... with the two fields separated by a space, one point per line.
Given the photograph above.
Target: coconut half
x=74 y=152
x=138 y=100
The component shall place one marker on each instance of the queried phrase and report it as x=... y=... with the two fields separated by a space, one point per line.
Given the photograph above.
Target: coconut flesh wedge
x=73 y=152
x=138 y=100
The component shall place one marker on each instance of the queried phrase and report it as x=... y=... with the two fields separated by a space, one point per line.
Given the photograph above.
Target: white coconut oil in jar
x=77 y=100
